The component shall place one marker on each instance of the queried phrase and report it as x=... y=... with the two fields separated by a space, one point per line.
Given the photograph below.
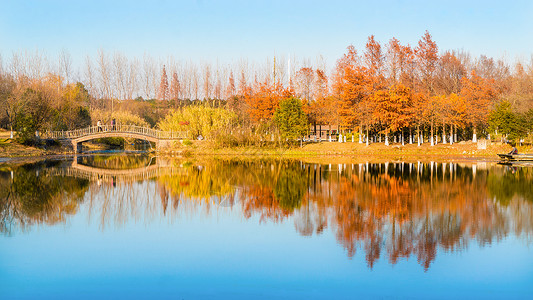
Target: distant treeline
x=415 y=93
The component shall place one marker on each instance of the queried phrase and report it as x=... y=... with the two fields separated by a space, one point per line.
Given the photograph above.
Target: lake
x=139 y=226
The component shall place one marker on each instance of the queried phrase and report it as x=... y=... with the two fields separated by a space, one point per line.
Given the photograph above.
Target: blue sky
x=228 y=30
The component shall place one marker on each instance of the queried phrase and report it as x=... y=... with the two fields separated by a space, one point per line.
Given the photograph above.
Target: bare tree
x=89 y=76
x=105 y=77
x=65 y=65
x=207 y=81
x=175 y=88
x=149 y=72
x=16 y=68
x=132 y=77
x=120 y=65
x=195 y=81
x=163 y=85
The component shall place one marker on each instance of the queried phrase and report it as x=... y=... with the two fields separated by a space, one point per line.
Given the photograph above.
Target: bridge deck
x=103 y=131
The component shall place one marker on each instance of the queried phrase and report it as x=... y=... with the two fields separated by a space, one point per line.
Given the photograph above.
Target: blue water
x=136 y=250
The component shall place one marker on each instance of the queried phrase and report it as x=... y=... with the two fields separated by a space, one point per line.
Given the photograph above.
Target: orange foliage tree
x=263 y=102
x=479 y=94
x=393 y=109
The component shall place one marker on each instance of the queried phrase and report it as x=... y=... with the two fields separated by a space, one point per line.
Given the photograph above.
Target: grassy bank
x=9 y=148
x=457 y=150
x=461 y=150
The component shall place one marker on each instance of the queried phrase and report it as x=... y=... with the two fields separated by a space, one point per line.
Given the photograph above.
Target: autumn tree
x=33 y=111
x=352 y=86
x=175 y=87
x=163 y=85
x=264 y=101
x=479 y=94
x=399 y=61
x=457 y=114
x=72 y=112
x=8 y=103
x=392 y=109
x=304 y=80
x=230 y=89
x=373 y=61
x=427 y=56
x=448 y=75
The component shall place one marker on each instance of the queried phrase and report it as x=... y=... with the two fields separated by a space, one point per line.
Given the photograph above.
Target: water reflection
x=394 y=210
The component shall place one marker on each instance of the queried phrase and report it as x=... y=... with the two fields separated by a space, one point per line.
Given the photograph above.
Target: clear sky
x=206 y=30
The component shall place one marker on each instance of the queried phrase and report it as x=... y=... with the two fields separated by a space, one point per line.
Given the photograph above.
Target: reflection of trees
x=508 y=182
x=392 y=210
x=413 y=212
x=28 y=196
x=116 y=161
x=399 y=209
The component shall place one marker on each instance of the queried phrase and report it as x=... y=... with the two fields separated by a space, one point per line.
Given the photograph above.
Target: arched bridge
x=78 y=136
x=118 y=175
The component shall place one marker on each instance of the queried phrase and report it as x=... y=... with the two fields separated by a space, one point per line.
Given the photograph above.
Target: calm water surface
x=135 y=226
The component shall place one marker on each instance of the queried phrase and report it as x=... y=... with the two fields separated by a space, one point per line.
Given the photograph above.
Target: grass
x=457 y=150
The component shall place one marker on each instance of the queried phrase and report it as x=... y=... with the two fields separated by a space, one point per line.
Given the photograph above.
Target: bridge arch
x=86 y=138
x=78 y=136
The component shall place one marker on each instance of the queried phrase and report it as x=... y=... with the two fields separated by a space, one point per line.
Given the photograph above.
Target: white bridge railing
x=119 y=128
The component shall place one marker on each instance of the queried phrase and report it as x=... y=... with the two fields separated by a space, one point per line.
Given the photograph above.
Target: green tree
x=503 y=120
x=291 y=119
x=32 y=115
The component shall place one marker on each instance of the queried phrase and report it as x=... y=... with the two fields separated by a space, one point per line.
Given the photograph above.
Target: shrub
x=200 y=120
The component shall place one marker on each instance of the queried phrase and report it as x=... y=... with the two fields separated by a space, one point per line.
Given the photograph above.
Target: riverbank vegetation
x=382 y=93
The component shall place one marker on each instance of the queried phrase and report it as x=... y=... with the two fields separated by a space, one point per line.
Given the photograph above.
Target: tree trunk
x=418 y=135
x=410 y=135
x=443 y=133
x=360 y=133
x=432 y=141
x=474 y=137
x=366 y=137
x=386 y=138
x=451 y=135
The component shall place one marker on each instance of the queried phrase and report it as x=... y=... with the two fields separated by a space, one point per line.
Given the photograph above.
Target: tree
x=163 y=86
x=291 y=119
x=503 y=120
x=374 y=58
x=264 y=101
x=304 y=83
x=8 y=103
x=479 y=94
x=230 y=89
x=71 y=112
x=175 y=88
x=393 y=108
x=31 y=116
x=449 y=72
x=427 y=56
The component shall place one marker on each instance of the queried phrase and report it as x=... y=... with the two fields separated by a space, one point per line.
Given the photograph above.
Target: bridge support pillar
x=76 y=147
x=162 y=144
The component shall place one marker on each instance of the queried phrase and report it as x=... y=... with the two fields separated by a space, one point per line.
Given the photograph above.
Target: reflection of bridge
x=116 y=175
x=77 y=136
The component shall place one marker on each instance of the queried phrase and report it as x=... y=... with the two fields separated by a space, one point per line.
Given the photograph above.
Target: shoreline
x=323 y=151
